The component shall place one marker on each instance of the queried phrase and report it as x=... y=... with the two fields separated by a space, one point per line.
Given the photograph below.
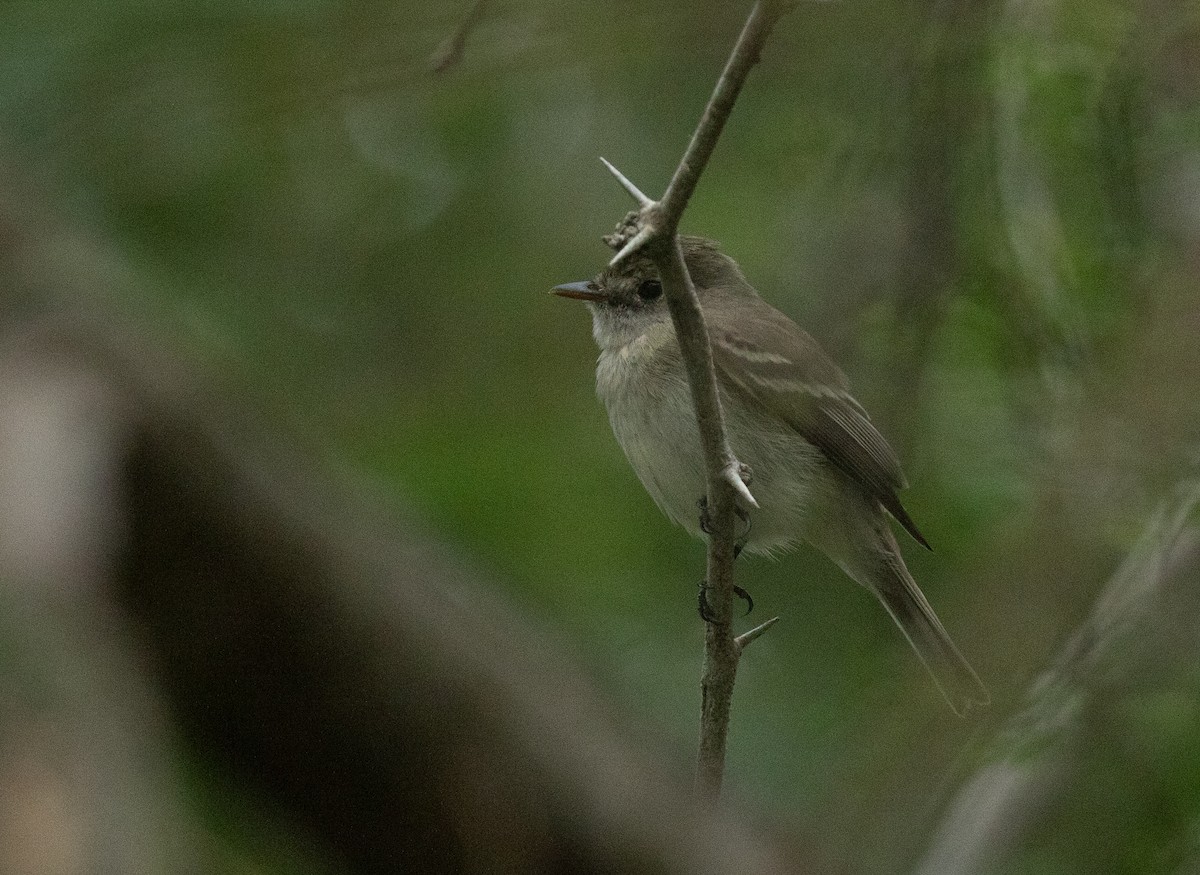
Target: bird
x=822 y=473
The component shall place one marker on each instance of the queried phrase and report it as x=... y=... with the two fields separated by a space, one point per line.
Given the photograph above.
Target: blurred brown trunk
x=310 y=643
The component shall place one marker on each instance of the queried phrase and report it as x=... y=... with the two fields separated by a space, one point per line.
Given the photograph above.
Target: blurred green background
x=988 y=212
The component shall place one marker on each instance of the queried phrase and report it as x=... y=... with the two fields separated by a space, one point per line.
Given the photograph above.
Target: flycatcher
x=821 y=471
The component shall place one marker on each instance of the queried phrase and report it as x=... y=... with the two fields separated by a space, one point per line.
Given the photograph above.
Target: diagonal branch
x=450 y=52
x=745 y=55
x=994 y=810
x=654 y=232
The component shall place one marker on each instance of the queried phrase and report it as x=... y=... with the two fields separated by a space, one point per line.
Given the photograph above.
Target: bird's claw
x=706 y=613
x=745 y=536
x=706 y=523
x=705 y=519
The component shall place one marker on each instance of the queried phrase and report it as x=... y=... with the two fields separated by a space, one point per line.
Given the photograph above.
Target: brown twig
x=450 y=52
x=654 y=231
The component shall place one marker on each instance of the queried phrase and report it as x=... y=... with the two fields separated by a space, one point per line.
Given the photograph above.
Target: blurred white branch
x=88 y=770
x=994 y=809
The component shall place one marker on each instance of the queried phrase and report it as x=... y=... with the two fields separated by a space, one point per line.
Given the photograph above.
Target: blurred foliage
x=988 y=212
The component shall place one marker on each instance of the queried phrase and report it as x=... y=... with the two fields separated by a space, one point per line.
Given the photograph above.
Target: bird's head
x=627 y=300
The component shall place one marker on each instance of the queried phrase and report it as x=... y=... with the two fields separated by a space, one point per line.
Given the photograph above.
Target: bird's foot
x=706 y=613
x=743 y=515
x=740 y=545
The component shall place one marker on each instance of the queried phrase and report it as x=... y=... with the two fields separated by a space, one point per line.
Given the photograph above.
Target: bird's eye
x=649 y=290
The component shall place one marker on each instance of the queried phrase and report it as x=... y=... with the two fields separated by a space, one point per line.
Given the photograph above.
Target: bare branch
x=745 y=55
x=655 y=234
x=450 y=52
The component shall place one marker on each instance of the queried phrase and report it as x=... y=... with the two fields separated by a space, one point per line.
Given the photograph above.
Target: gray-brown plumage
x=822 y=473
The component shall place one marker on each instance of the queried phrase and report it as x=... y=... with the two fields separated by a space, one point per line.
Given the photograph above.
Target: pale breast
x=650 y=410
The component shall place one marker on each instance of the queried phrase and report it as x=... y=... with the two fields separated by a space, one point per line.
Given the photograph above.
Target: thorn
x=635 y=192
x=744 y=640
x=732 y=474
x=636 y=242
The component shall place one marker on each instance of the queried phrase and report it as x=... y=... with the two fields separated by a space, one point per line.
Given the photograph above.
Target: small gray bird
x=821 y=471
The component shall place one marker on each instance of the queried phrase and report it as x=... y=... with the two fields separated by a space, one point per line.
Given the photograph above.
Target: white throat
x=618 y=328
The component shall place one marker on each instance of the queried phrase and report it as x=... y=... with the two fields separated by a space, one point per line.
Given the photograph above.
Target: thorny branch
x=654 y=231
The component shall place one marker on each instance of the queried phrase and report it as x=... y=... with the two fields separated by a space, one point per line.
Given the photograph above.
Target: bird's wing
x=784 y=371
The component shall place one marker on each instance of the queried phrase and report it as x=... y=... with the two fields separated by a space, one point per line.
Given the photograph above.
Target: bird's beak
x=584 y=290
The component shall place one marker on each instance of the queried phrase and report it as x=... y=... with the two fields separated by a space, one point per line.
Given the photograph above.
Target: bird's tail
x=909 y=608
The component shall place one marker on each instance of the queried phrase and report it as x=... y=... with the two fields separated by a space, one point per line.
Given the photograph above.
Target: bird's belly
x=656 y=428
x=663 y=447
x=787 y=476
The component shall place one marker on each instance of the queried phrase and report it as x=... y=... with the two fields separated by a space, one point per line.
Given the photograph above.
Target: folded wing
x=783 y=370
